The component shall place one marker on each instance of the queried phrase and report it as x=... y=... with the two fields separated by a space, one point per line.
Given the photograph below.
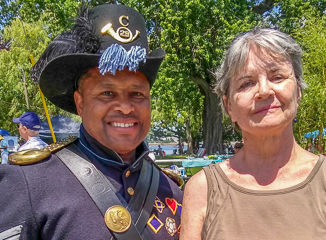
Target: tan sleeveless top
x=235 y=213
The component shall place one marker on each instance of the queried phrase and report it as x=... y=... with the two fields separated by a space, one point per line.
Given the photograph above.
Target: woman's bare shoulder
x=197 y=181
x=194 y=207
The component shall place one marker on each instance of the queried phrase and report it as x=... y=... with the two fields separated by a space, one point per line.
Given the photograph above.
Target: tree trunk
x=189 y=137
x=180 y=146
x=212 y=118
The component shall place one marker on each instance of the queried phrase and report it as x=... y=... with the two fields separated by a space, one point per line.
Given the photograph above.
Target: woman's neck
x=263 y=153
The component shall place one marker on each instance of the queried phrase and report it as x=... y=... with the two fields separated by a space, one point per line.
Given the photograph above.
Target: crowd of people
x=104 y=184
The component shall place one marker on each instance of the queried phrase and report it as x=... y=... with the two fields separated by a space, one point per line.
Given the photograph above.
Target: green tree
x=312 y=111
x=194 y=34
x=56 y=14
x=16 y=95
x=289 y=15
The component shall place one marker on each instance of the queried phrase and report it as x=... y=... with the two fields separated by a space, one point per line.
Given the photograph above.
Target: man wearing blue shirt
x=29 y=126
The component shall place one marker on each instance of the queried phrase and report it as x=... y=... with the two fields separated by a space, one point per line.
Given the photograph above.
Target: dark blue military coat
x=46 y=201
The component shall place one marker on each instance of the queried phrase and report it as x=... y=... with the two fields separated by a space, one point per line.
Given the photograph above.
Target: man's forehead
x=121 y=78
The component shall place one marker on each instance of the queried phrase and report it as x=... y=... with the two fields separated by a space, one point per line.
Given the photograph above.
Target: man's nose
x=124 y=106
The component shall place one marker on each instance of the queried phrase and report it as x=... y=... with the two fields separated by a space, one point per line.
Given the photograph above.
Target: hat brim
x=16 y=120
x=57 y=80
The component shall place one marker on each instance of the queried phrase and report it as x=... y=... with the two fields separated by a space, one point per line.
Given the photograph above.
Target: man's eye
x=108 y=93
x=136 y=94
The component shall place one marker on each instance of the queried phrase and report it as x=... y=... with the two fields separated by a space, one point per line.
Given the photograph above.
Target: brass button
x=131 y=191
x=127 y=173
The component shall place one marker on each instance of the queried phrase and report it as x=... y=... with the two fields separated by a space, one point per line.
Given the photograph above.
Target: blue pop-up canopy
x=314 y=134
x=4 y=132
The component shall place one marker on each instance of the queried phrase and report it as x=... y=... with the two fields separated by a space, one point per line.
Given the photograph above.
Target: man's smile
x=122 y=125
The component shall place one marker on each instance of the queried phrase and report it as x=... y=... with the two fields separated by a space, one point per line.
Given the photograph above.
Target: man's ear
x=79 y=102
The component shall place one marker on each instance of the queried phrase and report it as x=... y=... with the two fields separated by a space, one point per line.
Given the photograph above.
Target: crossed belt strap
x=106 y=196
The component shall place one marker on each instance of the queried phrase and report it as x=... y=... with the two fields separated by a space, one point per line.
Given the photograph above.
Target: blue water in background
x=168 y=149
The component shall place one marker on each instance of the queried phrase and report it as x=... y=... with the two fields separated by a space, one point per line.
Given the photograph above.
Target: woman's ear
x=299 y=94
x=227 y=106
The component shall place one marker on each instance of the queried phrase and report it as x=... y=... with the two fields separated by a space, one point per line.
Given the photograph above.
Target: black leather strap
x=140 y=205
x=98 y=187
x=148 y=206
x=146 y=188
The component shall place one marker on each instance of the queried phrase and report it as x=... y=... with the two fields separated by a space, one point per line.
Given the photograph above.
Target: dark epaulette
x=31 y=156
x=169 y=172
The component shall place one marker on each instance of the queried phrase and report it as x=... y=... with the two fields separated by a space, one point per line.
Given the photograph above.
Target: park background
x=194 y=34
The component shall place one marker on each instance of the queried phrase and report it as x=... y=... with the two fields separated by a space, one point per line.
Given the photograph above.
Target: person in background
x=237 y=146
x=29 y=126
x=102 y=185
x=4 y=150
x=273 y=188
x=160 y=152
x=151 y=155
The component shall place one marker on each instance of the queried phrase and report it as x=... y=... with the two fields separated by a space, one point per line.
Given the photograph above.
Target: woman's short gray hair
x=235 y=57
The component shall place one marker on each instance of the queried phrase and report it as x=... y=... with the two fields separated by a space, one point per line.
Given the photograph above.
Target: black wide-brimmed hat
x=111 y=37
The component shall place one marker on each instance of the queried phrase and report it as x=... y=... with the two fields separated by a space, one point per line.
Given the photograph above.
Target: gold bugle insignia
x=122 y=34
x=117 y=219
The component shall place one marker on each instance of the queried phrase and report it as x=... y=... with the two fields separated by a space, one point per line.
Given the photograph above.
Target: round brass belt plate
x=117 y=219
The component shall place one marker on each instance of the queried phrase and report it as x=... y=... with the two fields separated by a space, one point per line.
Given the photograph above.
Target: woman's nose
x=265 y=88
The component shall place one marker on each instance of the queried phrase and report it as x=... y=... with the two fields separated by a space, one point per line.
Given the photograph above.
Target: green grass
x=174 y=156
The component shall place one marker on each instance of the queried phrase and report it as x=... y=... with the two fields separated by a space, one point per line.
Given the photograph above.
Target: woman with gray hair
x=272 y=188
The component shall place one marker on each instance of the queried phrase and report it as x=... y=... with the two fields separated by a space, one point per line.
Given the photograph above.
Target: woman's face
x=264 y=94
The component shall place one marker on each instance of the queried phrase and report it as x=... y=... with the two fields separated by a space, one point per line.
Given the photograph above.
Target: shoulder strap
x=142 y=214
x=98 y=187
x=105 y=195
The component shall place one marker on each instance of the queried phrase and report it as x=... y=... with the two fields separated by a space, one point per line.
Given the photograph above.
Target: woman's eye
x=246 y=84
x=277 y=78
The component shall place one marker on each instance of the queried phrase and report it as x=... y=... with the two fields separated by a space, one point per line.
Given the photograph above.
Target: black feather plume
x=63 y=44
x=87 y=41
x=81 y=39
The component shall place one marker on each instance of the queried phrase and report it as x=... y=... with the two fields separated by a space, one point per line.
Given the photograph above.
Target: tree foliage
x=312 y=111
x=25 y=39
x=194 y=34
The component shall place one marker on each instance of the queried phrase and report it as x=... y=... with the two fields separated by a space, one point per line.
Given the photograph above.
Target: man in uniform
x=102 y=185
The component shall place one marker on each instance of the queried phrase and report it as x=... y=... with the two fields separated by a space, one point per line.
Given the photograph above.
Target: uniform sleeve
x=16 y=217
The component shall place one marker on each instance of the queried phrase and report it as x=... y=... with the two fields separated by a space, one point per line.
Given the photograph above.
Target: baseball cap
x=29 y=120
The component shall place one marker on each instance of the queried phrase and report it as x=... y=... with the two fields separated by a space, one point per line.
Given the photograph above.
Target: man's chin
x=124 y=147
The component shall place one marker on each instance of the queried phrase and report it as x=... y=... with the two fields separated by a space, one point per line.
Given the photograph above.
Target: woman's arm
x=194 y=207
